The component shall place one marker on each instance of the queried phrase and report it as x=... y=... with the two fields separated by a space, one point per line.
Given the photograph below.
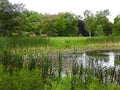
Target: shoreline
x=89 y=50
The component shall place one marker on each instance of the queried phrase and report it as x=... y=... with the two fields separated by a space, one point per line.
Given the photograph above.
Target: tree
x=99 y=30
x=66 y=24
x=116 y=26
x=62 y=24
x=71 y=24
x=98 y=24
x=101 y=14
x=101 y=19
x=46 y=25
x=81 y=28
x=32 y=20
x=8 y=14
x=89 y=21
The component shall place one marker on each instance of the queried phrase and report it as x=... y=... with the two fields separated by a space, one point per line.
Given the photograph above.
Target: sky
x=74 y=6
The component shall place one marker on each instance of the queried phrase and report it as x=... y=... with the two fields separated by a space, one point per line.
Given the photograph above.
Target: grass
x=59 y=43
x=13 y=42
x=36 y=71
x=28 y=64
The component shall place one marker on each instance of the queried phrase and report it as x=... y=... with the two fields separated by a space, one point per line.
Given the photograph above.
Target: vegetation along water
x=58 y=52
x=26 y=63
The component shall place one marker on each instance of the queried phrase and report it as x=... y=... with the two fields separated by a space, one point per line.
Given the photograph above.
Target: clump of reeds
x=50 y=73
x=11 y=60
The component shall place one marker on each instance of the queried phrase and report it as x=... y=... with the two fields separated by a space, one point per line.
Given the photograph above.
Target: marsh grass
x=22 y=68
x=59 y=43
x=37 y=71
x=26 y=42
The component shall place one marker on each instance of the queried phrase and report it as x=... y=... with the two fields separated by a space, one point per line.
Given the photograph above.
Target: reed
x=59 y=43
x=59 y=64
x=23 y=66
x=16 y=42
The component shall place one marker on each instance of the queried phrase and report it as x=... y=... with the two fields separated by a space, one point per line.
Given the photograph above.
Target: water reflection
x=103 y=65
x=99 y=58
x=111 y=59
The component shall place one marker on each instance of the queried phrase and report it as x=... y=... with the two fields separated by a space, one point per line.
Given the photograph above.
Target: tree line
x=15 y=20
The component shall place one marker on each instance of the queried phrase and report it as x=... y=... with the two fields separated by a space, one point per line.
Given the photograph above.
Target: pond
x=103 y=65
x=106 y=58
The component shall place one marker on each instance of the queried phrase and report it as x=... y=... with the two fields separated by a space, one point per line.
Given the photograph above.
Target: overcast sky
x=74 y=6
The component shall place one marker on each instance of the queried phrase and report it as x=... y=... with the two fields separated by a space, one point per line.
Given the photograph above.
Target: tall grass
x=24 y=69
x=26 y=42
x=110 y=39
x=62 y=43
x=36 y=71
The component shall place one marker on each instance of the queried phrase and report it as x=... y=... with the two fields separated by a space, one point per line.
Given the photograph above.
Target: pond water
x=103 y=65
x=96 y=58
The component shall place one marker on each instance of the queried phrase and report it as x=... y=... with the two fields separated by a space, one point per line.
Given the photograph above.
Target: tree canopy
x=16 y=20
x=9 y=14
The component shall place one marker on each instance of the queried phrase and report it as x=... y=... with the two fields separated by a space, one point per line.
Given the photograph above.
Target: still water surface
x=97 y=58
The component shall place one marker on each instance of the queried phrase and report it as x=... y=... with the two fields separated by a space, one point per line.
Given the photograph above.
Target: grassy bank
x=62 y=43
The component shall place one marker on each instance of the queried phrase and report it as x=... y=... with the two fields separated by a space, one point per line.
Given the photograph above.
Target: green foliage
x=66 y=24
x=10 y=61
x=116 y=30
x=43 y=74
x=62 y=43
x=99 y=30
x=89 y=21
x=16 y=21
x=98 y=24
x=26 y=42
x=46 y=26
x=8 y=14
x=107 y=26
x=21 y=80
x=31 y=21
x=63 y=24
x=116 y=26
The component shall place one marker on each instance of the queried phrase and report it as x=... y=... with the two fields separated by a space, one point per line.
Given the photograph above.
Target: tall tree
x=66 y=24
x=8 y=14
x=89 y=21
x=98 y=24
x=47 y=26
x=62 y=24
x=101 y=17
x=116 y=26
